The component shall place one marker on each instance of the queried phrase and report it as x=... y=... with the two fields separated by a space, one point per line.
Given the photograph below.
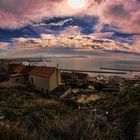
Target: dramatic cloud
x=25 y=24
x=15 y=13
x=124 y=14
x=3 y=46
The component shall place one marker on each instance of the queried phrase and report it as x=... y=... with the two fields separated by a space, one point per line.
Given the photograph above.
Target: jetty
x=85 y=71
x=126 y=70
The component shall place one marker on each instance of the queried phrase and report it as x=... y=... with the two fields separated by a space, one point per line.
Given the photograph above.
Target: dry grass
x=84 y=99
x=31 y=117
x=13 y=133
x=46 y=102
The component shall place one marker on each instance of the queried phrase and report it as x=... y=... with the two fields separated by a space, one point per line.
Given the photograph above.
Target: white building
x=44 y=79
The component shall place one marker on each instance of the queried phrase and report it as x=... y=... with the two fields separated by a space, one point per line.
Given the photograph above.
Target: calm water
x=87 y=60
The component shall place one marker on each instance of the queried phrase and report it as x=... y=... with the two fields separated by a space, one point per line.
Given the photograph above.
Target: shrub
x=13 y=133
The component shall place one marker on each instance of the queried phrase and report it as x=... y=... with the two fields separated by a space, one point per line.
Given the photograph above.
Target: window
x=32 y=80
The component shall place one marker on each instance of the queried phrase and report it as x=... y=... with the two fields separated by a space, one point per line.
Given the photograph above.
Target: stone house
x=14 y=72
x=44 y=79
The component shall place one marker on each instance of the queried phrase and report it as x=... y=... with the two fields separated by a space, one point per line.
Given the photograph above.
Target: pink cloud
x=124 y=14
x=15 y=13
x=3 y=45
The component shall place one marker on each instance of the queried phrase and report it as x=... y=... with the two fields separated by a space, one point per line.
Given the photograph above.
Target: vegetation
x=24 y=114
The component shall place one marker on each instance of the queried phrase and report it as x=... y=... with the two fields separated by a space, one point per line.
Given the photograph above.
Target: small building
x=81 y=76
x=17 y=78
x=25 y=72
x=74 y=75
x=44 y=79
x=66 y=75
x=15 y=68
x=14 y=72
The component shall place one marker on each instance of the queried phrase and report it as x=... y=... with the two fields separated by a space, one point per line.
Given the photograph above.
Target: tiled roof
x=31 y=70
x=16 y=68
x=19 y=69
x=27 y=69
x=13 y=66
x=16 y=75
x=42 y=71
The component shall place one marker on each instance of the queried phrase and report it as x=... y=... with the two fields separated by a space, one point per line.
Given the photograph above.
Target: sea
x=92 y=61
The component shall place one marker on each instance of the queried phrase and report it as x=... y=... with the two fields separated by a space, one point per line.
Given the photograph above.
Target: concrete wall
x=45 y=85
x=40 y=84
x=55 y=80
x=17 y=79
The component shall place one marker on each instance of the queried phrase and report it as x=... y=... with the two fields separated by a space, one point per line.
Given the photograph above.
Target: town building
x=14 y=72
x=44 y=79
x=74 y=75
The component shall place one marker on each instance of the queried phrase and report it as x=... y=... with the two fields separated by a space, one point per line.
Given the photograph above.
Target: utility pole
x=57 y=74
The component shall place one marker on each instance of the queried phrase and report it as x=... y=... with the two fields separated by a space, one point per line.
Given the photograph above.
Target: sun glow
x=76 y=3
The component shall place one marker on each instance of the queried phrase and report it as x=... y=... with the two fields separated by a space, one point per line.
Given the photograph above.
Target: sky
x=104 y=25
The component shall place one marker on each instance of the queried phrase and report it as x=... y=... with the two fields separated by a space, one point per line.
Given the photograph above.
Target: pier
x=101 y=72
x=129 y=70
x=19 y=60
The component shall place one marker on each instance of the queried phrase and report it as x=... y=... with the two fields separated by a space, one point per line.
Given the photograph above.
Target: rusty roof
x=42 y=71
x=27 y=69
x=19 y=69
x=16 y=68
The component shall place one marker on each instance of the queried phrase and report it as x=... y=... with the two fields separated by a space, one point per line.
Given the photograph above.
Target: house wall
x=16 y=79
x=67 y=92
x=43 y=84
x=26 y=79
x=39 y=83
x=55 y=80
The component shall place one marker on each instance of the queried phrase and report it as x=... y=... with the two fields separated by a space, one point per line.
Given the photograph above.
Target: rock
x=84 y=99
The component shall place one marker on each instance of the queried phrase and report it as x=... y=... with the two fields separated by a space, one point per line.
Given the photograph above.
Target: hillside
x=25 y=114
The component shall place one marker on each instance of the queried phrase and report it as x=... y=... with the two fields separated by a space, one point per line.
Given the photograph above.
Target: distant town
x=47 y=79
